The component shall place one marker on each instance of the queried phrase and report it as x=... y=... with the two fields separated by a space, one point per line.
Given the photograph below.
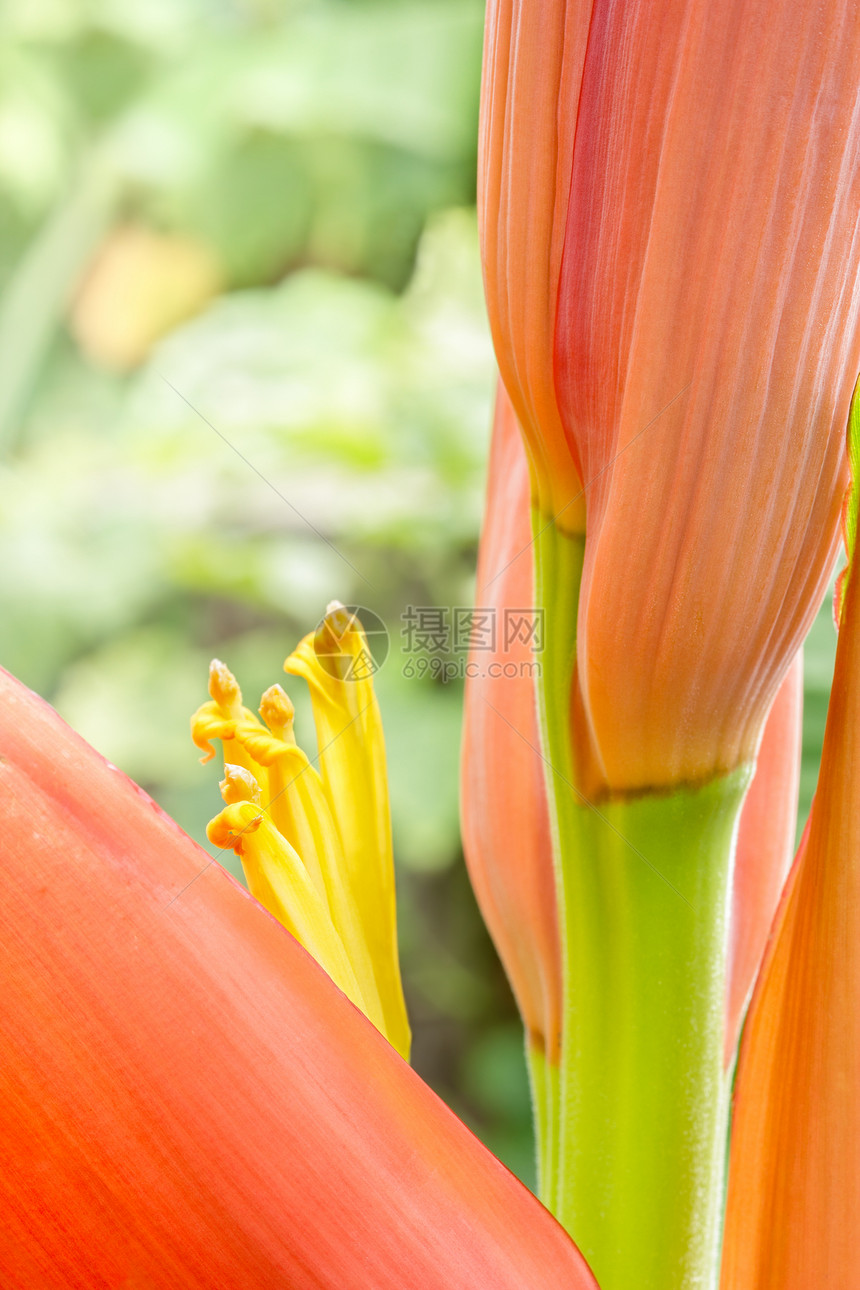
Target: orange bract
x=526 y=149
x=794 y=1182
x=686 y=343
x=506 y=831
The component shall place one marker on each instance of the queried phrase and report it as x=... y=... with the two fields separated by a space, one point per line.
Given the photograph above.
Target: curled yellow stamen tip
x=224 y=688
x=207 y=724
x=239 y=785
x=229 y=829
x=277 y=711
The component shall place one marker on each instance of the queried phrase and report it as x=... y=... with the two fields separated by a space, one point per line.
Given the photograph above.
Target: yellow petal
x=353 y=770
x=299 y=808
x=316 y=849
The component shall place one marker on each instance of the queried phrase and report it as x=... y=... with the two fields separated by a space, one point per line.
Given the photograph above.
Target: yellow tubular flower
x=220 y=718
x=280 y=881
x=315 y=848
x=336 y=664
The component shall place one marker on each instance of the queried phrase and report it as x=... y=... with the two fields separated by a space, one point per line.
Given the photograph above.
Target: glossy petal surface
x=188 y=1100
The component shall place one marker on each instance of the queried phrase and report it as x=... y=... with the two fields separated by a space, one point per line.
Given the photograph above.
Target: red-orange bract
x=506 y=832
x=187 y=1099
x=793 y=1219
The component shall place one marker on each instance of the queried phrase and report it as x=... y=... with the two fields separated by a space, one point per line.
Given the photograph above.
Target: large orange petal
x=793 y=1219
x=765 y=844
x=506 y=832
x=706 y=346
x=187 y=1099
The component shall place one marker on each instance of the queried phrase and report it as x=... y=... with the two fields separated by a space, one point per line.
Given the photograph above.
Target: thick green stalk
x=643 y=887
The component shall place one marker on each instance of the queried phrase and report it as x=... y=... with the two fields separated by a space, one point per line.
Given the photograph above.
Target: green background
x=313 y=425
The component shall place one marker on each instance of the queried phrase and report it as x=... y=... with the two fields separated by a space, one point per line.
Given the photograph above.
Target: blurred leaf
x=422 y=735
x=404 y=75
x=132 y=699
x=319 y=431
x=140 y=286
x=494 y=1073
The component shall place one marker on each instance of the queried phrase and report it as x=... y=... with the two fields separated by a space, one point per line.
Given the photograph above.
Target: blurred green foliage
x=316 y=426
x=305 y=417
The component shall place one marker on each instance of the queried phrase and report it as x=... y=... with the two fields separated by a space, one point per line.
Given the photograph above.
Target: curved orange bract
x=794 y=1181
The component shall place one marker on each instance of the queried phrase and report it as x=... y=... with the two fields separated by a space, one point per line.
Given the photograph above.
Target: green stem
x=558 y=573
x=643 y=886
x=543 y=1079
x=541 y=1107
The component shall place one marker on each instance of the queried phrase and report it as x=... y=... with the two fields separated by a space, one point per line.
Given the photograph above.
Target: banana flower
x=668 y=201
x=668 y=205
x=188 y=1100
x=506 y=828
